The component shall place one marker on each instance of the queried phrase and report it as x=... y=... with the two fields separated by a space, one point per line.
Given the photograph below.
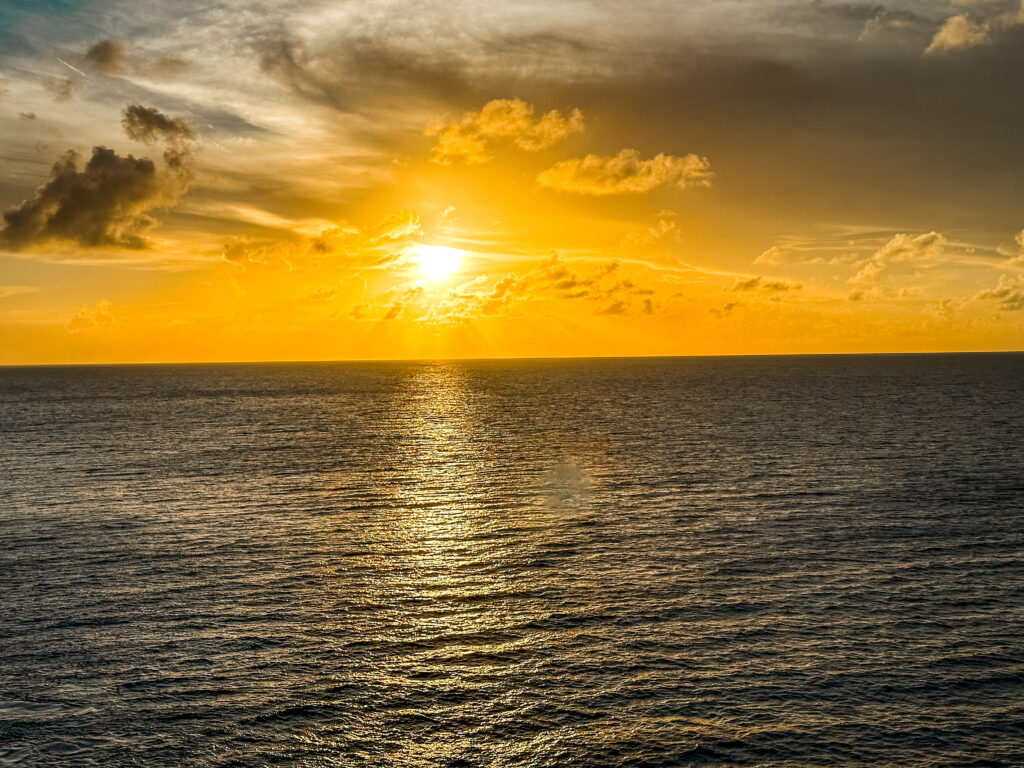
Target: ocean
x=761 y=561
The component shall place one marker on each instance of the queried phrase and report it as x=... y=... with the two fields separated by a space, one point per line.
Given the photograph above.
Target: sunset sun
x=437 y=262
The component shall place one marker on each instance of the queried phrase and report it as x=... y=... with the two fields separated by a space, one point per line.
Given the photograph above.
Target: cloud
x=625 y=173
x=110 y=57
x=666 y=229
x=1018 y=260
x=887 y=21
x=288 y=60
x=106 y=56
x=61 y=88
x=772 y=257
x=106 y=203
x=370 y=246
x=961 y=31
x=7 y=291
x=405 y=301
x=726 y=310
x=615 y=308
x=103 y=204
x=149 y=125
x=395 y=226
x=92 y=318
x=500 y=296
x=466 y=140
x=552 y=280
x=1008 y=293
x=902 y=248
x=760 y=284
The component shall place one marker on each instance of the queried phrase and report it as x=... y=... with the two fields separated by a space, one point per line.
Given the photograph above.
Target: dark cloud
x=149 y=125
x=106 y=56
x=286 y=59
x=355 y=74
x=111 y=57
x=27 y=116
x=105 y=203
x=760 y=284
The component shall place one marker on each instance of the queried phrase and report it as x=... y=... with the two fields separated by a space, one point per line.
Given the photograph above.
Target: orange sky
x=309 y=181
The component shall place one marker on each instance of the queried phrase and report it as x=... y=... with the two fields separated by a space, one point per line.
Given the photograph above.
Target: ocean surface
x=774 y=561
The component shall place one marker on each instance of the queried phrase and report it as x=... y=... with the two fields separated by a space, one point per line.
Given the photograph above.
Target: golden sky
x=224 y=180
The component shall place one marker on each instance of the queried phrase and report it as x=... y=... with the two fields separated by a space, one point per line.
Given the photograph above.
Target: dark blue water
x=749 y=561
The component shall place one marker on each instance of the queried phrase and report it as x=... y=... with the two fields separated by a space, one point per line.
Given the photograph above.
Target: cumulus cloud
x=466 y=140
x=625 y=173
x=1018 y=260
x=901 y=249
x=963 y=31
x=92 y=318
x=106 y=203
x=1008 y=293
x=959 y=31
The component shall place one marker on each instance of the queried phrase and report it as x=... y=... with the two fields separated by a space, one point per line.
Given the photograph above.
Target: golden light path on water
x=446 y=573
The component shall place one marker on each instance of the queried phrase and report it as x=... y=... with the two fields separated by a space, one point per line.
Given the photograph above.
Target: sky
x=225 y=180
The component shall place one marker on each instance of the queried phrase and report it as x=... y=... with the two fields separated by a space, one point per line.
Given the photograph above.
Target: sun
x=437 y=262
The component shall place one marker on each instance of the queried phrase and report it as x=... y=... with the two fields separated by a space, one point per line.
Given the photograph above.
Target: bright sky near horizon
x=226 y=180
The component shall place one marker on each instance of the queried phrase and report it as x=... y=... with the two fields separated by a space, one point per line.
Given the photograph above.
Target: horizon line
x=533 y=358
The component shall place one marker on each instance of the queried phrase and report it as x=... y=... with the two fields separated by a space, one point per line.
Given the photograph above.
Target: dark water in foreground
x=761 y=561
